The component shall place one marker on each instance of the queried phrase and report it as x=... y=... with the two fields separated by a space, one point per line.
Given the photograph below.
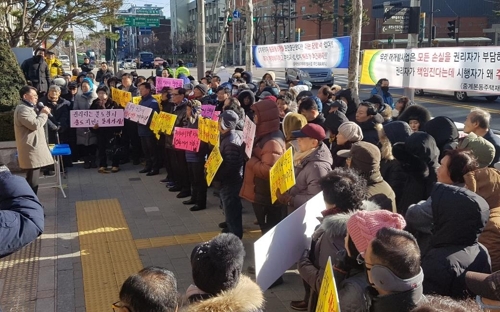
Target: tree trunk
x=353 y=72
x=249 y=36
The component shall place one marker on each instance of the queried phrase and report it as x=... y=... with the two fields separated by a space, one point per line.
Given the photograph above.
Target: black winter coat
x=105 y=132
x=61 y=119
x=231 y=169
x=370 y=134
x=459 y=217
x=21 y=213
x=37 y=71
x=87 y=67
x=180 y=121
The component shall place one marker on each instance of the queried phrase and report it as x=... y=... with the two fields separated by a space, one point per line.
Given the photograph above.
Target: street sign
x=148 y=11
x=236 y=15
x=136 y=21
x=396 y=20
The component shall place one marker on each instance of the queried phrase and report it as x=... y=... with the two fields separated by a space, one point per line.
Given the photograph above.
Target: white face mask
x=395 y=113
x=234 y=92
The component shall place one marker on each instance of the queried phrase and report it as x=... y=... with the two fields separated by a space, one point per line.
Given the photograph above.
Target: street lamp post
x=431 y=22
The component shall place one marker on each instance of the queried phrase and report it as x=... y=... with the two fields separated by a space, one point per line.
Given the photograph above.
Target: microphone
x=40 y=106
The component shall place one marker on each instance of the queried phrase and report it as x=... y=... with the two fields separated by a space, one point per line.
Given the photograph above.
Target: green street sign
x=148 y=11
x=136 y=21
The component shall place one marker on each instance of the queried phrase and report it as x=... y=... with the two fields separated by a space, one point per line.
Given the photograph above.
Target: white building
x=179 y=14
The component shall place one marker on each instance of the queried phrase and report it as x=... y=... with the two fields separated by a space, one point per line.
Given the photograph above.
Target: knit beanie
x=90 y=83
x=482 y=149
x=217 y=264
x=335 y=120
x=397 y=131
x=351 y=131
x=104 y=89
x=203 y=88
x=363 y=225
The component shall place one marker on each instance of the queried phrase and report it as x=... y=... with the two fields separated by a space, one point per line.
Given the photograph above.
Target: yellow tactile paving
x=165 y=241
x=109 y=254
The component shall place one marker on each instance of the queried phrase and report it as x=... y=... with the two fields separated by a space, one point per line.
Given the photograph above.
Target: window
x=303 y=9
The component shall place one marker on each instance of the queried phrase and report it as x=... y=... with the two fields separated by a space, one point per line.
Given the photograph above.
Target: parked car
x=460 y=96
x=316 y=76
x=158 y=61
x=129 y=64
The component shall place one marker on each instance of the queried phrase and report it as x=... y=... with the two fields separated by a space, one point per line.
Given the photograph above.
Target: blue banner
x=324 y=53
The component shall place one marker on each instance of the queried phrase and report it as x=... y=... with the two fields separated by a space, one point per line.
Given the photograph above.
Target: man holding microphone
x=32 y=149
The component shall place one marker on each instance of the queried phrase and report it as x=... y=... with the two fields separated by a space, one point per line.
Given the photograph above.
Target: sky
x=161 y=3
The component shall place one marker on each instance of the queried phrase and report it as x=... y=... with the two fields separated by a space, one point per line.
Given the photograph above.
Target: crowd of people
x=411 y=203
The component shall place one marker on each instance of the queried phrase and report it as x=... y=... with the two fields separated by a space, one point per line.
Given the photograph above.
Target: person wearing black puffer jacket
x=21 y=213
x=366 y=118
x=444 y=131
x=416 y=116
x=247 y=99
x=454 y=247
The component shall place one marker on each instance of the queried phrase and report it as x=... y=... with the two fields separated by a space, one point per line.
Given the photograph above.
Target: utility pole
x=412 y=43
x=223 y=34
x=200 y=39
x=249 y=37
x=431 y=23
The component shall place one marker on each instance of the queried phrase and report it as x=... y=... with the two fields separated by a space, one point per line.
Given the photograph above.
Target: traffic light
x=255 y=19
x=229 y=20
x=451 y=29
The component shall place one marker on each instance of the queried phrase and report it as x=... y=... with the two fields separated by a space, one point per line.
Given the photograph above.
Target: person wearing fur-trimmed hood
x=219 y=285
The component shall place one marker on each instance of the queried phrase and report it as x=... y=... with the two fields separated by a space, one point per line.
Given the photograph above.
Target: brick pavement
x=150 y=212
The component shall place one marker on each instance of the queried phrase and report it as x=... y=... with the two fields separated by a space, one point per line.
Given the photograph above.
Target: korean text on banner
x=137 y=113
x=212 y=165
x=186 y=139
x=451 y=68
x=101 y=117
x=282 y=175
x=328 y=297
x=167 y=122
x=203 y=130
x=121 y=97
x=323 y=53
x=249 y=136
x=281 y=247
x=162 y=82
x=207 y=110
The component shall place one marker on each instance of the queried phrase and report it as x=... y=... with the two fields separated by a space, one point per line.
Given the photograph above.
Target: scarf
x=299 y=156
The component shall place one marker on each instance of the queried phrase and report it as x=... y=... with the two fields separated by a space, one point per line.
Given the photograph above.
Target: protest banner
x=333 y=52
x=136 y=100
x=215 y=116
x=167 y=122
x=213 y=163
x=137 y=113
x=249 y=135
x=213 y=131
x=186 y=139
x=101 y=117
x=121 y=97
x=155 y=125
x=157 y=97
x=162 y=82
x=203 y=130
x=282 y=175
x=283 y=245
x=449 y=68
x=207 y=110
x=328 y=298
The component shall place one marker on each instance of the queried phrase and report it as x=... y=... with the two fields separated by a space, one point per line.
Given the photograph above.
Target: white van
x=460 y=96
x=64 y=60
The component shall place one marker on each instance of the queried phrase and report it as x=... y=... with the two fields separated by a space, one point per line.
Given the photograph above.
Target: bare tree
x=249 y=36
x=356 y=24
x=37 y=20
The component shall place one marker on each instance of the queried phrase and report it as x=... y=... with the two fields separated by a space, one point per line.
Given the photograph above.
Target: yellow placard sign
x=166 y=122
x=282 y=175
x=328 y=299
x=213 y=132
x=204 y=128
x=157 y=97
x=136 y=100
x=153 y=126
x=121 y=97
x=213 y=163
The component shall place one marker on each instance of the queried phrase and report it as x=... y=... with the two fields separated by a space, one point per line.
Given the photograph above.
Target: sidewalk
x=108 y=227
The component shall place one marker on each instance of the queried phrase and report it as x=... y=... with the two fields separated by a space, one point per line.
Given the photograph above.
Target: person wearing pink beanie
x=349 y=268
x=364 y=225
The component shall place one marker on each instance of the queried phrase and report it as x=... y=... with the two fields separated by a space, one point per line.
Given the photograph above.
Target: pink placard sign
x=101 y=117
x=216 y=114
x=207 y=110
x=186 y=139
x=162 y=82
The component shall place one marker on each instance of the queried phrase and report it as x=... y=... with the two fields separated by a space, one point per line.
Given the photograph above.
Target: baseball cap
x=310 y=131
x=365 y=157
x=484 y=285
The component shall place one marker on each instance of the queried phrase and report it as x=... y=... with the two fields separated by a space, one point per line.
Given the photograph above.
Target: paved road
x=438 y=105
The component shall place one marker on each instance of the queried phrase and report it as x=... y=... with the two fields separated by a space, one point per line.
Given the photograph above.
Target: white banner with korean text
x=451 y=68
